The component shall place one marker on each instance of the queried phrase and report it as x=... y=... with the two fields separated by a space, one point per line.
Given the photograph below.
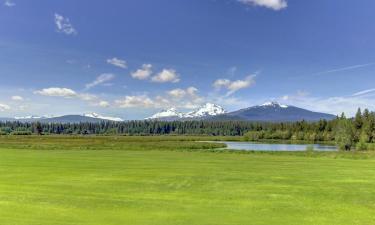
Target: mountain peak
x=208 y=109
x=97 y=116
x=171 y=112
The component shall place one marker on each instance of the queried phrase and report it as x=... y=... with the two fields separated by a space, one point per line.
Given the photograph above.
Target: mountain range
x=267 y=112
x=88 y=117
x=274 y=112
x=205 y=111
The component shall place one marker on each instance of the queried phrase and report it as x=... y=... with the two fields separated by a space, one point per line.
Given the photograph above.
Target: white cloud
x=63 y=25
x=177 y=93
x=364 y=92
x=101 y=79
x=101 y=103
x=17 y=98
x=4 y=107
x=166 y=75
x=57 y=92
x=9 y=3
x=143 y=73
x=69 y=93
x=135 y=101
x=190 y=92
x=234 y=86
x=182 y=98
x=272 y=4
x=221 y=83
x=117 y=62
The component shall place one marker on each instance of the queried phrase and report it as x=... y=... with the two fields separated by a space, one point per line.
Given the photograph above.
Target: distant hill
x=273 y=112
x=86 y=118
x=71 y=119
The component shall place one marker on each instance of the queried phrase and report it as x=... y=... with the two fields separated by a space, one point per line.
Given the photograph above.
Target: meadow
x=164 y=180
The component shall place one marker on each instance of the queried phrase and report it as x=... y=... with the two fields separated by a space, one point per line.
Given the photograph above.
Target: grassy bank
x=159 y=180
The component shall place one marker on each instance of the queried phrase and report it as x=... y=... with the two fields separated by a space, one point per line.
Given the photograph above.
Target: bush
x=361 y=146
x=21 y=133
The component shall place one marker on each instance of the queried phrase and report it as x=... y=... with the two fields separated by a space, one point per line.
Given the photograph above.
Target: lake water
x=253 y=146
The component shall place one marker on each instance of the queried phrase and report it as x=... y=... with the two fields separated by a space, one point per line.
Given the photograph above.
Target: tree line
x=348 y=133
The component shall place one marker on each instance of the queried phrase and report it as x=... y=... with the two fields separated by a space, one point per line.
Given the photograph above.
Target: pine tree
x=344 y=135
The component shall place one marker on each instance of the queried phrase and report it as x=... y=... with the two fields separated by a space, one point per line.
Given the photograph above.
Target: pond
x=256 y=146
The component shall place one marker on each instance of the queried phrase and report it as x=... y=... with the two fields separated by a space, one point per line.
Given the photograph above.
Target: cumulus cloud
x=234 y=86
x=9 y=3
x=57 y=92
x=143 y=73
x=17 y=98
x=135 y=101
x=177 y=93
x=181 y=93
x=271 y=4
x=166 y=75
x=101 y=79
x=117 y=62
x=4 y=107
x=69 y=93
x=63 y=25
x=183 y=98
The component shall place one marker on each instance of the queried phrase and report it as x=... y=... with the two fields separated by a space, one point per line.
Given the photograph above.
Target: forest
x=347 y=133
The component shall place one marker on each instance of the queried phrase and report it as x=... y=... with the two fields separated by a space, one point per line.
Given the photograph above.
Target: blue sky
x=133 y=58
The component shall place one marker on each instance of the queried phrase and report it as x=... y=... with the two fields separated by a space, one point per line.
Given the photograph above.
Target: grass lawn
x=162 y=181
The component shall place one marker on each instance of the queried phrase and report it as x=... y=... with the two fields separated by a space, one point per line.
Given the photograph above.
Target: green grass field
x=172 y=180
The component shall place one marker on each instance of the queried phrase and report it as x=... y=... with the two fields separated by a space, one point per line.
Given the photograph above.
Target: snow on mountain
x=97 y=116
x=168 y=113
x=273 y=104
x=207 y=109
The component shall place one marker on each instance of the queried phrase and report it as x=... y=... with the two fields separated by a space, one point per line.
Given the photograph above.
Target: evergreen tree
x=344 y=135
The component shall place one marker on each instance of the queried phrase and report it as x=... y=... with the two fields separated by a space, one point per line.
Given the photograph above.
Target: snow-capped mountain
x=97 y=116
x=274 y=112
x=273 y=104
x=168 y=113
x=208 y=109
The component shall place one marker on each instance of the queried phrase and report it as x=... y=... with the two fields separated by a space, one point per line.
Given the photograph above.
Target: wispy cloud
x=334 y=104
x=236 y=85
x=63 y=25
x=4 y=107
x=71 y=94
x=57 y=92
x=17 y=98
x=271 y=4
x=100 y=80
x=9 y=3
x=353 y=67
x=364 y=92
x=117 y=62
